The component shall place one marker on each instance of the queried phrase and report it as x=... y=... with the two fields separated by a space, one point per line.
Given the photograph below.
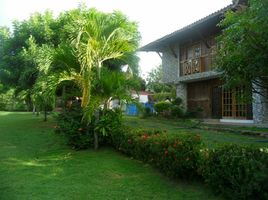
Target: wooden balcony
x=196 y=65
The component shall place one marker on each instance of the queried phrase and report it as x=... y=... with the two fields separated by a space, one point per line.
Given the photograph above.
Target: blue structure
x=132 y=109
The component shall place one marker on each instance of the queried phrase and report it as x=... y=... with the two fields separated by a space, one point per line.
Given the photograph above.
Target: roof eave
x=160 y=44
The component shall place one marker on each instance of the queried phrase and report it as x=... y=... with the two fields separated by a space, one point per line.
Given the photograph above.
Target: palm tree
x=102 y=39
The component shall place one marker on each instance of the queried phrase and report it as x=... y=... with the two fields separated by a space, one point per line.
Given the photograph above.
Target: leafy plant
x=110 y=122
x=162 y=107
x=69 y=123
x=237 y=172
x=176 y=155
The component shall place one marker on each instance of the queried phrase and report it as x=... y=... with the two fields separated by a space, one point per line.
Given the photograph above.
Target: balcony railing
x=196 y=65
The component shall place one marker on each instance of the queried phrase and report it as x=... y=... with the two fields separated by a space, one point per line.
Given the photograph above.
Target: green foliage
x=210 y=137
x=194 y=113
x=168 y=109
x=162 y=107
x=146 y=112
x=237 y=172
x=45 y=168
x=155 y=83
x=242 y=57
x=44 y=53
x=110 y=122
x=176 y=111
x=176 y=155
x=10 y=102
x=78 y=135
x=162 y=96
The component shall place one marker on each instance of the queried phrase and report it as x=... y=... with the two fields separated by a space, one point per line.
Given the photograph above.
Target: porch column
x=181 y=92
x=260 y=106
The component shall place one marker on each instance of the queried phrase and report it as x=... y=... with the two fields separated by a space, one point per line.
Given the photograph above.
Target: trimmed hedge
x=176 y=155
x=237 y=172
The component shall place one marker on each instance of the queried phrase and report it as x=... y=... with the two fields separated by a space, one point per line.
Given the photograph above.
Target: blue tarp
x=131 y=109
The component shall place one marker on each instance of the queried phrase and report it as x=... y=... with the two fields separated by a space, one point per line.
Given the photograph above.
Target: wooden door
x=216 y=102
x=232 y=105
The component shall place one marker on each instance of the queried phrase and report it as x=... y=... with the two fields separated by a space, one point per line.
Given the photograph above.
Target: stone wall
x=170 y=64
x=260 y=107
x=181 y=92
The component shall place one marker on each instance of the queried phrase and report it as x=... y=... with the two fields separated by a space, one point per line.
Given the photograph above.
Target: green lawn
x=210 y=138
x=35 y=164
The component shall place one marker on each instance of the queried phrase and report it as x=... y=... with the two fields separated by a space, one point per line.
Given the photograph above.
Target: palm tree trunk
x=63 y=96
x=96 y=137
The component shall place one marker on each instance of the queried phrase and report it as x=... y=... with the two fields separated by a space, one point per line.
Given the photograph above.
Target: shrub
x=70 y=124
x=176 y=111
x=110 y=122
x=177 y=101
x=195 y=113
x=163 y=107
x=176 y=155
x=168 y=109
x=81 y=136
x=237 y=172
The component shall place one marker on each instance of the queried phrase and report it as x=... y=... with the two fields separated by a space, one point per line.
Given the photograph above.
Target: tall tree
x=243 y=54
x=18 y=68
x=103 y=37
x=154 y=81
x=95 y=41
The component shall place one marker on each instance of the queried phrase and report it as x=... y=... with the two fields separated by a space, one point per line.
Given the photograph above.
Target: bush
x=237 y=172
x=177 y=101
x=176 y=111
x=70 y=124
x=163 y=108
x=81 y=136
x=176 y=155
x=167 y=109
x=109 y=123
x=196 y=113
x=146 y=112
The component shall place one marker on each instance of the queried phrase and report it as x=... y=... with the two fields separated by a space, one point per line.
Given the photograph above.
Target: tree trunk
x=29 y=103
x=45 y=113
x=96 y=137
x=37 y=111
x=34 y=109
x=63 y=103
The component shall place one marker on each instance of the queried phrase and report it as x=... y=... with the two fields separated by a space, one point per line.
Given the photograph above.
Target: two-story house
x=187 y=57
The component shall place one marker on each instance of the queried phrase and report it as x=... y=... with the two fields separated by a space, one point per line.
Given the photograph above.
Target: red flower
x=145 y=137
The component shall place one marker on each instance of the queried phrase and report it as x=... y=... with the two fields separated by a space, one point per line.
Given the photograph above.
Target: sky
x=156 y=18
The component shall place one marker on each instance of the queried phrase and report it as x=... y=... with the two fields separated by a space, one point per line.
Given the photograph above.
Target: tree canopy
x=44 y=54
x=243 y=54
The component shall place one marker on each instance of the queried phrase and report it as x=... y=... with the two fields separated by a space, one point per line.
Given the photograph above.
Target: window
x=232 y=104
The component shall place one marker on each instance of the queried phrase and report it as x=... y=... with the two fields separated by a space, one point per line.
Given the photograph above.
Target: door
x=232 y=104
x=216 y=102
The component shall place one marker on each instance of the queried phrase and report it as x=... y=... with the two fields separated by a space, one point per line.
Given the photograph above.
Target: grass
x=210 y=138
x=36 y=164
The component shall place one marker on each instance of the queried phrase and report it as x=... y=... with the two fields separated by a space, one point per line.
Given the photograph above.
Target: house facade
x=188 y=57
